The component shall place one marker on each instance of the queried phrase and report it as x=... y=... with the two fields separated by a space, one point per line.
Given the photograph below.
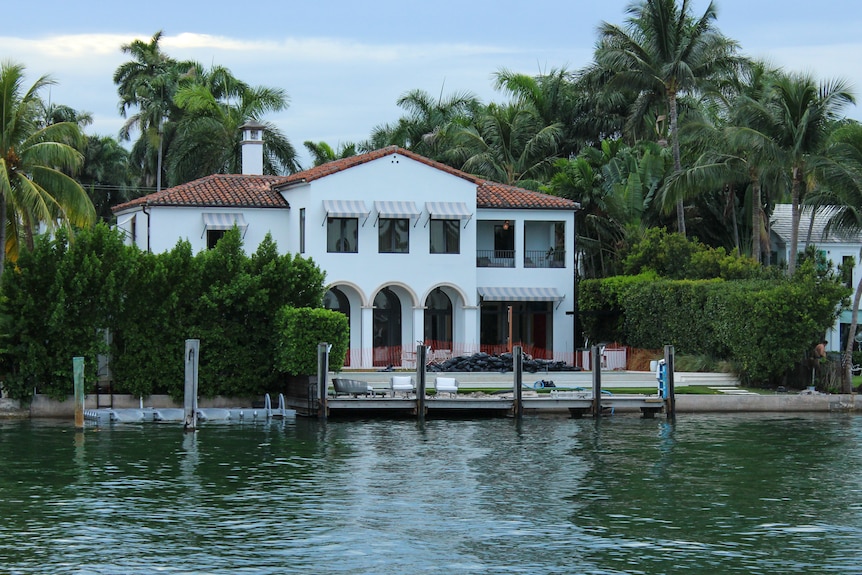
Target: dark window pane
x=394 y=236
x=445 y=236
x=342 y=235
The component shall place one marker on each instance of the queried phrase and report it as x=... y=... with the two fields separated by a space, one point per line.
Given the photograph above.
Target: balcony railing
x=545 y=259
x=495 y=258
x=532 y=258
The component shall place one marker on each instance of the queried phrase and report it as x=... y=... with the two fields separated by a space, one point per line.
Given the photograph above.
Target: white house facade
x=414 y=251
x=836 y=248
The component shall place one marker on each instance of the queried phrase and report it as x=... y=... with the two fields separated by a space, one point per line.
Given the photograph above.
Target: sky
x=345 y=63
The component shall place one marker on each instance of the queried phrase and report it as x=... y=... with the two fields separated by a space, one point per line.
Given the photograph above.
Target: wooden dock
x=400 y=394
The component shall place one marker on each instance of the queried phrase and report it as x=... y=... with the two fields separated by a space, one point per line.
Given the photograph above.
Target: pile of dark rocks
x=501 y=363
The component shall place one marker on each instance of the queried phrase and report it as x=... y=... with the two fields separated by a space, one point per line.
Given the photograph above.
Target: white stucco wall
x=387 y=180
x=168 y=225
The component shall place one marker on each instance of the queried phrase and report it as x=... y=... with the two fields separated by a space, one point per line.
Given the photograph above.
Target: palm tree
x=507 y=144
x=207 y=140
x=322 y=153
x=35 y=160
x=423 y=128
x=795 y=120
x=553 y=96
x=663 y=53
x=734 y=157
x=105 y=175
x=148 y=83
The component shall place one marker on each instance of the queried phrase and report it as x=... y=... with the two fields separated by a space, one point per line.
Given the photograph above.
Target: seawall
x=42 y=406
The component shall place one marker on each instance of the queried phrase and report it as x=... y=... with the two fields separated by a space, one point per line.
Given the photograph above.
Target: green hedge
x=61 y=299
x=763 y=326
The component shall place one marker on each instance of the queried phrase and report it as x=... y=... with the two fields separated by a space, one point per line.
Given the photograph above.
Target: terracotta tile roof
x=494 y=195
x=218 y=190
x=333 y=167
x=221 y=190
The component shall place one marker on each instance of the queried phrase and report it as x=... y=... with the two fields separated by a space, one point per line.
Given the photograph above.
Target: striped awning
x=345 y=208
x=224 y=221
x=448 y=210
x=394 y=209
x=520 y=294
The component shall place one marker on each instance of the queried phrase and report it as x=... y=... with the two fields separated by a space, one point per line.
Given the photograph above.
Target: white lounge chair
x=402 y=384
x=446 y=385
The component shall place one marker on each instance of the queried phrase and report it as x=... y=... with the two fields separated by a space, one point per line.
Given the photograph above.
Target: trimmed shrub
x=763 y=326
x=300 y=330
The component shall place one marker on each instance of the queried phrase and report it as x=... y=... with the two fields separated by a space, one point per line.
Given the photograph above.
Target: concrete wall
x=43 y=406
x=778 y=403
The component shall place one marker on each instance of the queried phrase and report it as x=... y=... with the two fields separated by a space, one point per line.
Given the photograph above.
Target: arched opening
x=387 y=328
x=335 y=300
x=438 y=322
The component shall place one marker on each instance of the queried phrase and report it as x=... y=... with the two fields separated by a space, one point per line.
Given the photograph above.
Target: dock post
x=596 y=365
x=670 y=401
x=190 y=399
x=421 y=360
x=322 y=379
x=518 y=368
x=78 y=376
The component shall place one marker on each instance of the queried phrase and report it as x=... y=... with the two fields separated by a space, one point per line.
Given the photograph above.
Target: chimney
x=252 y=148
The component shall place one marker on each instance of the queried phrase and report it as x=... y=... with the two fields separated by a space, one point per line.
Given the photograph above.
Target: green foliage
x=300 y=330
x=673 y=256
x=147 y=348
x=602 y=305
x=63 y=300
x=57 y=303
x=763 y=327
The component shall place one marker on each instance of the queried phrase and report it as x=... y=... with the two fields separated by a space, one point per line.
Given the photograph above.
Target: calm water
x=709 y=494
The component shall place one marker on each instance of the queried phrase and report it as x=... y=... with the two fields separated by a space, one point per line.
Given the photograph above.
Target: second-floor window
x=213 y=236
x=302 y=230
x=393 y=236
x=342 y=235
x=445 y=236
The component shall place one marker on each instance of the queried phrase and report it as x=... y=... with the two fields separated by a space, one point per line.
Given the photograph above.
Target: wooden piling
x=518 y=382
x=596 y=364
x=670 y=401
x=322 y=379
x=421 y=360
x=78 y=376
x=190 y=399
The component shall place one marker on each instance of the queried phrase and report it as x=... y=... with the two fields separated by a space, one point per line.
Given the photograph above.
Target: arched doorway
x=438 y=321
x=335 y=300
x=387 y=328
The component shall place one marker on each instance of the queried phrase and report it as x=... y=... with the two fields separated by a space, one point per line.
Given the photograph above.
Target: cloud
x=69 y=47
x=324 y=50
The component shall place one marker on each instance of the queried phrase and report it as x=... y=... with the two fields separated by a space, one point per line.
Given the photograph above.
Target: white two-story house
x=414 y=251
x=839 y=249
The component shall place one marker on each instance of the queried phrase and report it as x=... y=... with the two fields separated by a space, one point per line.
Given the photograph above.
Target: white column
x=471 y=329
x=367 y=343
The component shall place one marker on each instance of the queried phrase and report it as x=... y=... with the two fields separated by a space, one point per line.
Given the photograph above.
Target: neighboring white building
x=835 y=248
x=414 y=251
